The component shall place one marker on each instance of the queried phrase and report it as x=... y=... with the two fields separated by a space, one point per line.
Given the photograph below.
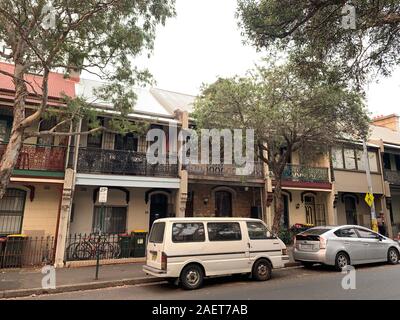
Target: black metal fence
x=110 y=246
x=18 y=252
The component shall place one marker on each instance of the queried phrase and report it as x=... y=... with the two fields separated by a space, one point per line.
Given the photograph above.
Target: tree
x=99 y=36
x=287 y=113
x=313 y=31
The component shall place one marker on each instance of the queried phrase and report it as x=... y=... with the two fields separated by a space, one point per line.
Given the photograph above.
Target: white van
x=188 y=249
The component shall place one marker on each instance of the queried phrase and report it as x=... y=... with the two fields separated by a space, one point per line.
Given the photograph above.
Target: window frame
x=355 y=153
x=193 y=241
x=347 y=228
x=267 y=238
x=236 y=223
x=108 y=207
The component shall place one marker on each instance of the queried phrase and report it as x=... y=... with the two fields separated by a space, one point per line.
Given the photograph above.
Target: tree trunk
x=11 y=154
x=278 y=206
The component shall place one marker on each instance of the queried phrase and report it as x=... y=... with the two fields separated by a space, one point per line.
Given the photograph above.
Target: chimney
x=391 y=122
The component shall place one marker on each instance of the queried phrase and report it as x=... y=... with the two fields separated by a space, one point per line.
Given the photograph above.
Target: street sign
x=103 y=194
x=369 y=199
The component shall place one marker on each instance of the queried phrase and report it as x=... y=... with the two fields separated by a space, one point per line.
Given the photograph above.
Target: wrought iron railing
x=82 y=247
x=18 y=252
x=224 y=170
x=392 y=177
x=39 y=157
x=91 y=160
x=305 y=174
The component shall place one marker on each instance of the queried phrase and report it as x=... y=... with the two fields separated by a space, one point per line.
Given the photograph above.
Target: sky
x=204 y=42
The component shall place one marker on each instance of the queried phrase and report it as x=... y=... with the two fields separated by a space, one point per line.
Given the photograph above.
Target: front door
x=285 y=216
x=223 y=204
x=351 y=211
x=158 y=207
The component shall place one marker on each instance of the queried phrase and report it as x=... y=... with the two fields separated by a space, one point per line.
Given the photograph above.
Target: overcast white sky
x=203 y=42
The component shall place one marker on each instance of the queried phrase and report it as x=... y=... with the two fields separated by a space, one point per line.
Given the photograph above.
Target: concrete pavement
x=320 y=283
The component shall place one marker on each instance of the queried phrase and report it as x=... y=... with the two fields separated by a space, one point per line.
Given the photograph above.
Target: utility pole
x=374 y=222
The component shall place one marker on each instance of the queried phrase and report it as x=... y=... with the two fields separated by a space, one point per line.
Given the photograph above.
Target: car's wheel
x=192 y=277
x=262 y=270
x=393 y=256
x=307 y=265
x=342 y=261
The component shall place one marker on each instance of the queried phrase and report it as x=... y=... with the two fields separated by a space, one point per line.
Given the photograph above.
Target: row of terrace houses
x=54 y=187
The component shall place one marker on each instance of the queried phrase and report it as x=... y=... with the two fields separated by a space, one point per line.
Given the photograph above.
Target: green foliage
x=100 y=36
x=287 y=111
x=312 y=31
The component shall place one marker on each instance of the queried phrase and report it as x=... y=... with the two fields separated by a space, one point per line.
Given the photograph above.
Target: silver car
x=344 y=245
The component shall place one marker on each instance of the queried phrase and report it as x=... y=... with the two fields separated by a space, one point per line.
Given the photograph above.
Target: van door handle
x=366 y=244
x=248 y=244
x=346 y=242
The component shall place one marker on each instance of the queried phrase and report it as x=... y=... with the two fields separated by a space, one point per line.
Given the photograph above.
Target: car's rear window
x=157 y=232
x=312 y=234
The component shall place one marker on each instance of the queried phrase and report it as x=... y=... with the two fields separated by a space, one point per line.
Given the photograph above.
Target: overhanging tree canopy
x=100 y=36
x=287 y=113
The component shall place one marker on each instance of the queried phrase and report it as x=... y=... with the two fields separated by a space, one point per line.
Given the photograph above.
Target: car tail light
x=322 y=243
x=284 y=252
x=164 y=261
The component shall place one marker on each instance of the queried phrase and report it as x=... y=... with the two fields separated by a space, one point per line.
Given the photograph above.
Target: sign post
x=103 y=192
x=369 y=198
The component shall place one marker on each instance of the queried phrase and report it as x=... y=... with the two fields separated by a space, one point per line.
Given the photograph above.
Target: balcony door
x=223 y=204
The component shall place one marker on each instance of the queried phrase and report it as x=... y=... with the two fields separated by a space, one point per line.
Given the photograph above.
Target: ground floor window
x=12 y=211
x=109 y=220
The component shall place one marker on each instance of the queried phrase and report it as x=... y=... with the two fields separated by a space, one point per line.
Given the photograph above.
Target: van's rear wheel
x=262 y=270
x=192 y=277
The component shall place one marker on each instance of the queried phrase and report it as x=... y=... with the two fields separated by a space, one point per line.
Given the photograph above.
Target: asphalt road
x=372 y=282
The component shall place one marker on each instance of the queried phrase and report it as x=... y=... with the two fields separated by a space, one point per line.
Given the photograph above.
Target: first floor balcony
x=121 y=162
x=302 y=173
x=39 y=159
x=393 y=177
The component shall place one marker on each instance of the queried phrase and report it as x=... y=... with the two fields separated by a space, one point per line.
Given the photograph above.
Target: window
x=224 y=231
x=367 y=234
x=94 y=140
x=349 y=159
x=337 y=158
x=353 y=159
x=188 y=232
x=111 y=221
x=346 y=233
x=12 y=211
x=127 y=142
x=157 y=232
x=258 y=231
x=5 y=128
x=386 y=161
x=397 y=161
x=45 y=125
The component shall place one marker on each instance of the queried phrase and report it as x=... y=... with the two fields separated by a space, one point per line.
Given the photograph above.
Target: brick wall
x=242 y=200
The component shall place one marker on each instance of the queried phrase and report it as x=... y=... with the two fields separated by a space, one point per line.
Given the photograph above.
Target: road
x=372 y=282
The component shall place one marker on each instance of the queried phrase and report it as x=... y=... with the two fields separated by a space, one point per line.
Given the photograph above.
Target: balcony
x=39 y=159
x=302 y=173
x=121 y=162
x=393 y=177
x=223 y=171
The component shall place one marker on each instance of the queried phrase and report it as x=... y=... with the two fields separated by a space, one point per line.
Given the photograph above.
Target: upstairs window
x=353 y=159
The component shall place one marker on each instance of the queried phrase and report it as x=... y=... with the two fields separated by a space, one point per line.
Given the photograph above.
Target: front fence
x=82 y=247
x=18 y=252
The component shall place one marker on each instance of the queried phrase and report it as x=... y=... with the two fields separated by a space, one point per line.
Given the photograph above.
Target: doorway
x=158 y=207
x=310 y=209
x=285 y=216
x=351 y=211
x=223 y=204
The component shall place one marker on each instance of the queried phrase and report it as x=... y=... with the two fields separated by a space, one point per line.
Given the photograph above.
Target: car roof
x=206 y=219
x=340 y=227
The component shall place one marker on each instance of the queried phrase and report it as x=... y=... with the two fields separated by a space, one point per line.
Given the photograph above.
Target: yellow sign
x=369 y=199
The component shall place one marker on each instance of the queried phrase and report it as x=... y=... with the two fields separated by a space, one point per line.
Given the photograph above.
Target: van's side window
x=188 y=232
x=224 y=231
x=157 y=232
x=257 y=231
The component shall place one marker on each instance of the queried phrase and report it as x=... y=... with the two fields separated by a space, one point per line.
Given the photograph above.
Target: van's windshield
x=157 y=232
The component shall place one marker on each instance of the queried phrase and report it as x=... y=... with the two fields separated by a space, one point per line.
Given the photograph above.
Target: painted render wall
x=137 y=213
x=40 y=215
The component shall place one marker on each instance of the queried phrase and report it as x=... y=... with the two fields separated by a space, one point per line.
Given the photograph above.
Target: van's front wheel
x=192 y=277
x=262 y=270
